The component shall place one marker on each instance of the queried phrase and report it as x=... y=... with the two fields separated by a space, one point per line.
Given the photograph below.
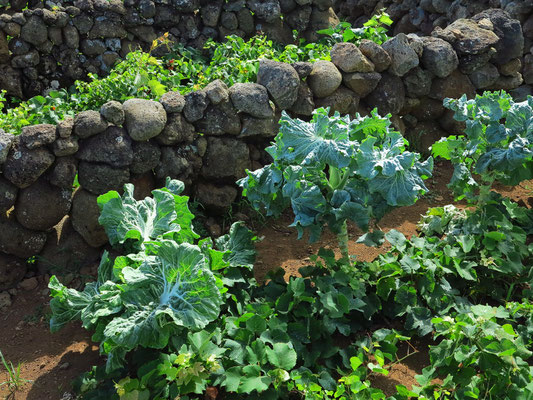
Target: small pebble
x=29 y=284
x=64 y=366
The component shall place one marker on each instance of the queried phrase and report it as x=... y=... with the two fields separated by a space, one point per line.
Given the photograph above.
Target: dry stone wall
x=209 y=137
x=54 y=44
x=430 y=17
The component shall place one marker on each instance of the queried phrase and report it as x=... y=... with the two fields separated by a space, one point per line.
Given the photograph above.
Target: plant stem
x=342 y=238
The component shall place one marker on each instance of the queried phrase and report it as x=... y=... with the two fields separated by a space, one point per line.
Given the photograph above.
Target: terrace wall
x=209 y=137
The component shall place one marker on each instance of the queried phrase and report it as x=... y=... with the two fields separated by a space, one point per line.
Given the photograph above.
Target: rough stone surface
x=195 y=105
x=24 y=166
x=304 y=104
x=8 y=194
x=389 y=95
x=342 y=100
x=217 y=92
x=225 y=158
x=453 y=86
x=215 y=198
x=112 y=147
x=144 y=119
x=84 y=218
x=484 y=77
x=324 y=78
x=418 y=82
x=362 y=83
x=19 y=241
x=89 y=123
x=177 y=130
x=259 y=127
x=34 y=31
x=348 y=58
x=42 y=205
x=379 y=57
x=12 y=270
x=112 y=111
x=281 y=81
x=303 y=68
x=146 y=156
x=65 y=127
x=34 y=136
x=101 y=178
x=63 y=172
x=5 y=144
x=173 y=102
x=65 y=147
x=251 y=98
x=403 y=57
x=467 y=37
x=219 y=120
x=424 y=135
x=439 y=57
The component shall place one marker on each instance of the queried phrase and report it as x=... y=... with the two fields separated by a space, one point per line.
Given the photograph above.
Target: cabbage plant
x=334 y=169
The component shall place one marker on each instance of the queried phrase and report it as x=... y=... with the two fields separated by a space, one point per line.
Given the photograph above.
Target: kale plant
x=335 y=169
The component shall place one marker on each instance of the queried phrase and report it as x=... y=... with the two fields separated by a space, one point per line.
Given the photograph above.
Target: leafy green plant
x=497 y=145
x=335 y=169
x=14 y=379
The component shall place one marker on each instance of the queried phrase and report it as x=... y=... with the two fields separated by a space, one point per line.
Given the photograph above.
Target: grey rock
x=105 y=27
x=195 y=105
x=177 y=130
x=303 y=68
x=267 y=10
x=343 y=100
x=112 y=147
x=146 y=156
x=211 y=13
x=403 y=57
x=112 y=111
x=34 y=136
x=42 y=205
x=216 y=199
x=467 y=37
x=527 y=70
x=453 y=86
x=65 y=146
x=324 y=79
x=92 y=47
x=389 y=95
x=10 y=80
x=225 y=158
x=470 y=62
x=484 y=77
x=101 y=178
x=220 y=119
x=8 y=195
x=72 y=37
x=508 y=82
x=173 y=102
x=89 y=123
x=12 y=271
x=439 y=57
x=145 y=119
x=281 y=81
x=63 y=172
x=418 y=82
x=379 y=57
x=348 y=58
x=511 y=68
x=304 y=104
x=178 y=163
x=34 y=31
x=5 y=145
x=19 y=241
x=24 y=166
x=217 y=92
x=299 y=18
x=362 y=83
x=65 y=127
x=424 y=135
x=84 y=218
x=427 y=109
x=252 y=99
x=259 y=127
x=29 y=59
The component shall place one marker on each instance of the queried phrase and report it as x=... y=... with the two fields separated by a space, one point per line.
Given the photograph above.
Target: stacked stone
x=55 y=45
x=209 y=137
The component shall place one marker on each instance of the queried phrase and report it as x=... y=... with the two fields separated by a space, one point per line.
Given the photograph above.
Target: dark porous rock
x=389 y=95
x=186 y=6
x=403 y=57
x=508 y=82
x=439 y=57
x=379 y=57
x=511 y=68
x=427 y=109
x=146 y=156
x=177 y=130
x=145 y=119
x=34 y=136
x=10 y=80
x=453 y=86
x=299 y=18
x=101 y=178
x=324 y=78
x=84 y=218
x=527 y=70
x=225 y=158
x=12 y=271
x=469 y=63
x=89 y=123
x=362 y=83
x=281 y=81
x=8 y=194
x=65 y=127
x=112 y=147
x=143 y=185
x=65 y=147
x=27 y=60
x=267 y=10
x=424 y=135
x=105 y=27
x=24 y=166
x=348 y=58
x=66 y=251
x=251 y=98
x=220 y=119
x=195 y=105
x=217 y=92
x=19 y=241
x=450 y=124
x=178 y=163
x=92 y=48
x=211 y=13
x=418 y=82
x=467 y=37
x=484 y=77
x=216 y=199
x=34 y=31
x=304 y=104
x=303 y=68
x=509 y=31
x=63 y=172
x=173 y=102
x=259 y=127
x=5 y=145
x=42 y=205
x=342 y=100
x=112 y=111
